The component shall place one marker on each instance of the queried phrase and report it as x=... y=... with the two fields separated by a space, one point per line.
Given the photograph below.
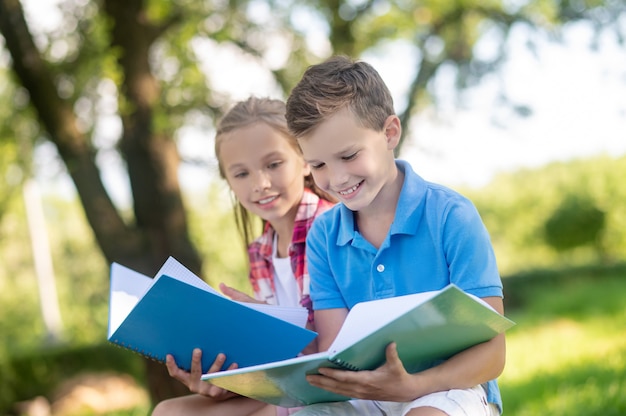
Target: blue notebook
x=177 y=311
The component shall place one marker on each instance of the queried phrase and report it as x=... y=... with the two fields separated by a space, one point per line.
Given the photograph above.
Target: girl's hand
x=236 y=295
x=389 y=382
x=192 y=379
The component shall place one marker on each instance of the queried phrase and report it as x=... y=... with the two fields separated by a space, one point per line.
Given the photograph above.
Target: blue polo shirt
x=437 y=237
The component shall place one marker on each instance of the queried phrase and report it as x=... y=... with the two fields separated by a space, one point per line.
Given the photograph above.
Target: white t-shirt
x=284 y=279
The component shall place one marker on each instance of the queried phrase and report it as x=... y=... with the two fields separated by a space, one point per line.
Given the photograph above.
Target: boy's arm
x=476 y=365
x=328 y=322
x=391 y=382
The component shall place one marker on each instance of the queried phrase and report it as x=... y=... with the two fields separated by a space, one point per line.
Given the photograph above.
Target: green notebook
x=427 y=327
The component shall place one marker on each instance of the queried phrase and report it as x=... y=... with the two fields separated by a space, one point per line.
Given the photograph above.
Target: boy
x=392 y=234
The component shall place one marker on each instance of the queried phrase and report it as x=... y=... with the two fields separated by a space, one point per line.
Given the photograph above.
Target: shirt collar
x=411 y=201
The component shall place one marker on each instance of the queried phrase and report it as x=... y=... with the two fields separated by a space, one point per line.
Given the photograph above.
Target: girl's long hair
x=244 y=113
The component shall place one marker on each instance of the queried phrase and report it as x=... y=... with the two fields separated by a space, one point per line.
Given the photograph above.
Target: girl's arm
x=237 y=295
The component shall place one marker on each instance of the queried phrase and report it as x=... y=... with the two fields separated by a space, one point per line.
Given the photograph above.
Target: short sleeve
x=325 y=293
x=469 y=252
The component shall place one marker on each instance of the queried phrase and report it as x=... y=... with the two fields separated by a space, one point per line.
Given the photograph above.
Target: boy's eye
x=316 y=166
x=349 y=157
x=240 y=175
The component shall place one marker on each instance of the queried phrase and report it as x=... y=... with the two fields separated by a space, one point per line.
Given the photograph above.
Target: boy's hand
x=236 y=295
x=389 y=382
x=192 y=379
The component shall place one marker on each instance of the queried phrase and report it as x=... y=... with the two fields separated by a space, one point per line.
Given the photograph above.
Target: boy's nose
x=338 y=178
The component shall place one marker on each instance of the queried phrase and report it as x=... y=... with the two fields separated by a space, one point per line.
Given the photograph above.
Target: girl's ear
x=393 y=131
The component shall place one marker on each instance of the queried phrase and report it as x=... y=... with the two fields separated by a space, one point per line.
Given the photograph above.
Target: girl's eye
x=274 y=165
x=349 y=157
x=240 y=175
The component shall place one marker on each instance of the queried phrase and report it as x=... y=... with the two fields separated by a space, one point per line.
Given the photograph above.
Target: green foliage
x=18 y=131
x=576 y=222
x=515 y=208
x=80 y=275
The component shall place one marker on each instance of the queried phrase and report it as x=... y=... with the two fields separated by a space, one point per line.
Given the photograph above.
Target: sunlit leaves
x=532 y=197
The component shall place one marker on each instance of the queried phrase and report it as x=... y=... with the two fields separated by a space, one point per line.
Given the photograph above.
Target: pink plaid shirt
x=260 y=254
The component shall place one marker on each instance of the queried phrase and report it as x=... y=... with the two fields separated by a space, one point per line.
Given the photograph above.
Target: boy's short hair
x=333 y=85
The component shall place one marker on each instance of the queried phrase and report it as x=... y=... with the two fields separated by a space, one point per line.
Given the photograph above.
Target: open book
x=177 y=311
x=427 y=328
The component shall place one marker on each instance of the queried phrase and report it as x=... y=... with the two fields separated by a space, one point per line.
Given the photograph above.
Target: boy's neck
x=374 y=222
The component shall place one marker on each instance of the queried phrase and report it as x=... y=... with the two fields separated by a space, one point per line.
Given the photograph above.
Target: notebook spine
x=143 y=353
x=346 y=365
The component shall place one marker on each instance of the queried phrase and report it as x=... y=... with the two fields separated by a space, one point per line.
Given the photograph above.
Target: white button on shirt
x=380 y=268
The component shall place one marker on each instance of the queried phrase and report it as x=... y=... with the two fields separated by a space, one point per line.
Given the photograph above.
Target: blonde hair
x=245 y=113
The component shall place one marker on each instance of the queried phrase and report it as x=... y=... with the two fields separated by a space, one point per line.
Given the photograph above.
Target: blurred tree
x=444 y=33
x=577 y=221
x=518 y=206
x=145 y=53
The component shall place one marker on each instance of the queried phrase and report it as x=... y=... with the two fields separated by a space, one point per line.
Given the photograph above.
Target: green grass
x=567 y=354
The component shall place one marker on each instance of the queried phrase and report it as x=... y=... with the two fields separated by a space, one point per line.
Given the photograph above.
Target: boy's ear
x=393 y=131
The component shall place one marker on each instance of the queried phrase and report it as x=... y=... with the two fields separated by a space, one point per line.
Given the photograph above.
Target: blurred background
x=106 y=141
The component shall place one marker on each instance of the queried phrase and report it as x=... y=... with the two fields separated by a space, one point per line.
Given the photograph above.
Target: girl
x=263 y=166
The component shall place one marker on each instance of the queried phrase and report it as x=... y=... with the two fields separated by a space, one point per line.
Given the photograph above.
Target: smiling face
x=352 y=162
x=264 y=171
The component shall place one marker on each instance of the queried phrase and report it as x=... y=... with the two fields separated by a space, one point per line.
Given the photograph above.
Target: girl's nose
x=262 y=182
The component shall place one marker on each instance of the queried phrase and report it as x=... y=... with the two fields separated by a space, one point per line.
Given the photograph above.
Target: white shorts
x=469 y=402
